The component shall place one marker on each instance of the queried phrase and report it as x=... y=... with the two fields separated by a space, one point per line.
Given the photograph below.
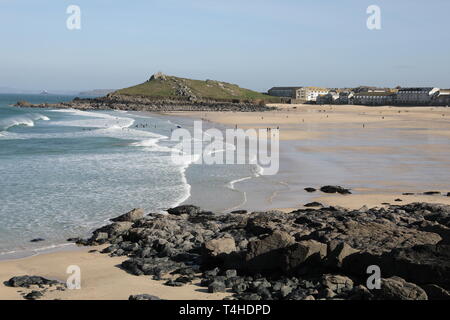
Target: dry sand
x=308 y=121
x=101 y=279
x=356 y=201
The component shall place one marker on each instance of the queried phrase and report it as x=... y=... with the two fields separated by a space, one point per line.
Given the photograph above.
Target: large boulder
x=396 y=288
x=422 y=264
x=140 y=297
x=337 y=283
x=27 y=281
x=220 y=246
x=118 y=228
x=266 y=254
x=260 y=224
x=335 y=189
x=377 y=237
x=309 y=252
x=435 y=292
x=337 y=252
x=185 y=209
x=131 y=216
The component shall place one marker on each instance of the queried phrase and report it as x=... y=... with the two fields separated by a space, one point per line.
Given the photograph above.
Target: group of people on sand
x=143 y=125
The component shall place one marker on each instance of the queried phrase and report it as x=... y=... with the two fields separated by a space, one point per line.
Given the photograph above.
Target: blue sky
x=254 y=43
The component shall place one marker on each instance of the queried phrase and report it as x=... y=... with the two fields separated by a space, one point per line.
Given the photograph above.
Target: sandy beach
x=101 y=279
x=306 y=129
x=312 y=121
x=381 y=152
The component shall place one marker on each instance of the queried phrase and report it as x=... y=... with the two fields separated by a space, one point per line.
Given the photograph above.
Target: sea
x=65 y=172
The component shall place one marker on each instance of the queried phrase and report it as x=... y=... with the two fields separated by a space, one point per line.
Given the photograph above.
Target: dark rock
x=232 y=281
x=27 y=281
x=73 y=239
x=337 y=283
x=34 y=295
x=335 y=189
x=260 y=224
x=230 y=273
x=174 y=283
x=313 y=204
x=309 y=251
x=337 y=252
x=217 y=247
x=267 y=253
x=360 y=293
x=435 y=292
x=285 y=290
x=396 y=288
x=185 y=209
x=239 y=212
x=408 y=194
x=216 y=286
x=37 y=240
x=143 y=297
x=398 y=200
x=421 y=264
x=239 y=287
x=212 y=273
x=431 y=193
x=184 y=279
x=310 y=190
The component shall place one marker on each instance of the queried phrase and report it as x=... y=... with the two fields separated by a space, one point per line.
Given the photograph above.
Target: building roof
x=285 y=88
x=364 y=94
x=316 y=88
x=419 y=89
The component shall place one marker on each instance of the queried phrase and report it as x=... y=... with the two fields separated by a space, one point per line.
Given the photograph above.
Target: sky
x=256 y=44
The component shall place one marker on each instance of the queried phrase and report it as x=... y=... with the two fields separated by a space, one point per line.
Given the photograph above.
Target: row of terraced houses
x=417 y=96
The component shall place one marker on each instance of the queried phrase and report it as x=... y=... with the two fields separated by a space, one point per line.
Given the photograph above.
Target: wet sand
x=372 y=150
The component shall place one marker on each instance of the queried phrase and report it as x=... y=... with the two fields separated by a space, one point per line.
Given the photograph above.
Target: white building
x=416 y=96
x=442 y=98
x=310 y=94
x=373 y=98
x=288 y=92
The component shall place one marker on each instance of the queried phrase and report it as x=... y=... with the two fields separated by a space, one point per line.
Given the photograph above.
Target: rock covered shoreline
x=137 y=103
x=306 y=254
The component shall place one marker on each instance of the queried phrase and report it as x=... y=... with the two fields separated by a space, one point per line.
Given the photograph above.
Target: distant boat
x=44 y=92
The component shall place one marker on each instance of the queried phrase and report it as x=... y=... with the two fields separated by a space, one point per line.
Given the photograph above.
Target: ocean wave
x=145 y=143
x=27 y=120
x=22 y=253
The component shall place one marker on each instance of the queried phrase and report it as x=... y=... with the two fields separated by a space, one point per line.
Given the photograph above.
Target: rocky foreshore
x=138 y=103
x=307 y=254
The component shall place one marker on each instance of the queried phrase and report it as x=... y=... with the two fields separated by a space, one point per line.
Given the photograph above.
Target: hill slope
x=164 y=86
